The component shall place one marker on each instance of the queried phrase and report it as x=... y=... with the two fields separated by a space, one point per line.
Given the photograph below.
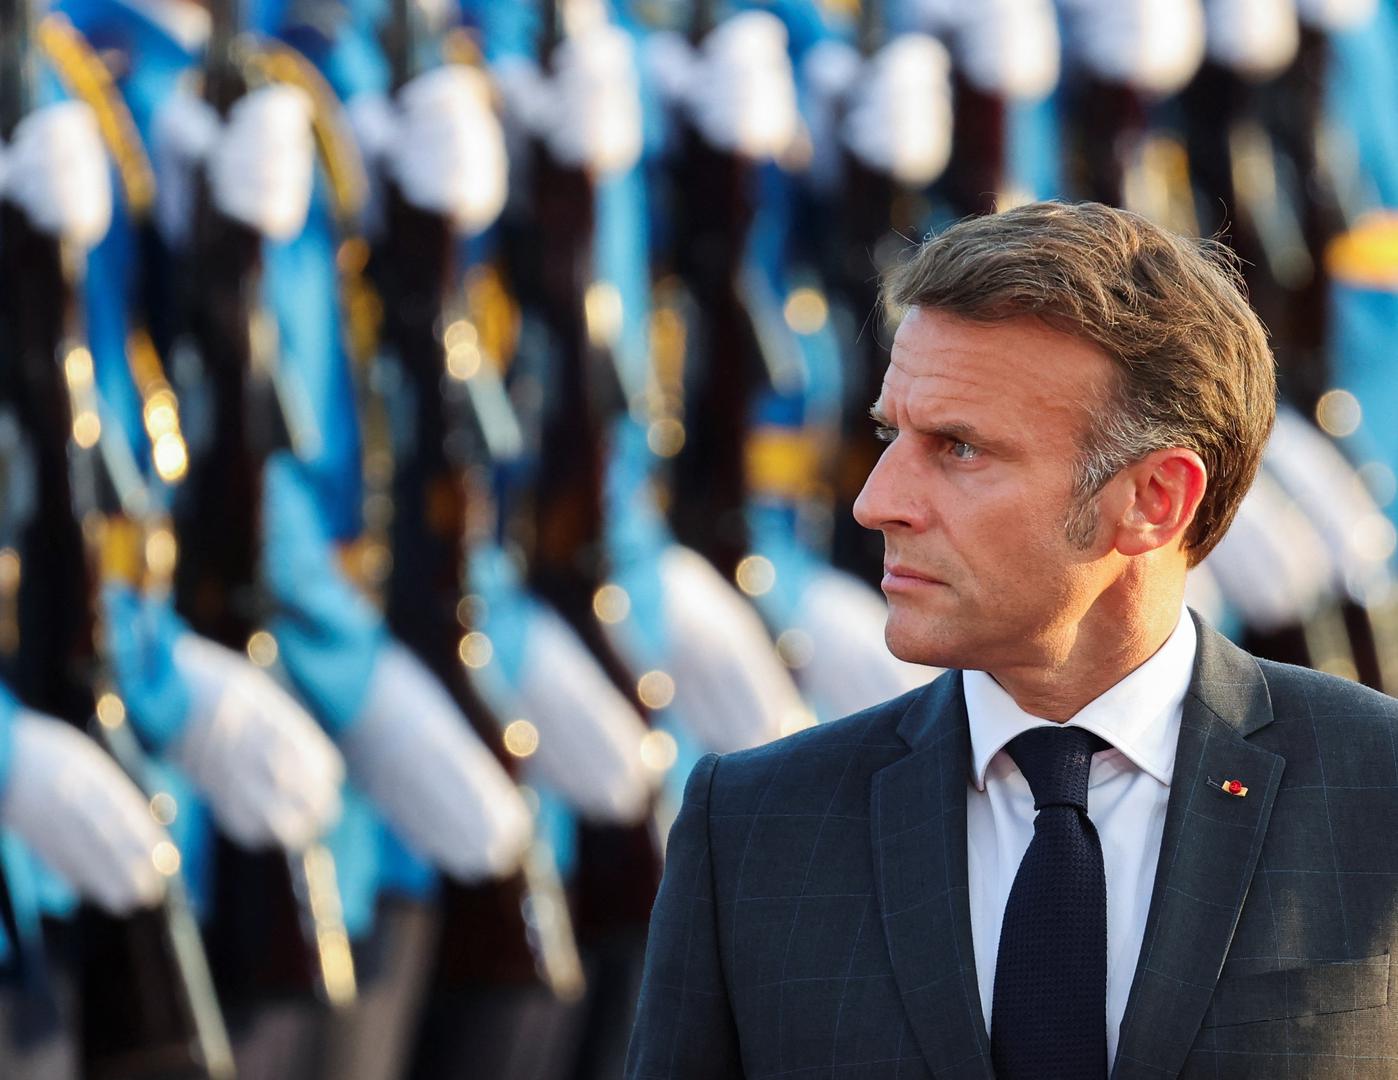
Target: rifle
x=1294 y=114
x=715 y=204
x=1121 y=158
x=275 y=927
x=562 y=529
x=494 y=932
x=148 y=1008
x=1233 y=168
x=1245 y=141
x=976 y=177
x=874 y=214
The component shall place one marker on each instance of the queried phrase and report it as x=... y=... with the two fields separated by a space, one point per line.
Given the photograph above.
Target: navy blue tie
x=1049 y=1016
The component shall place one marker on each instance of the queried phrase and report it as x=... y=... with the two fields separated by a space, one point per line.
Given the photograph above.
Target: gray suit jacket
x=813 y=922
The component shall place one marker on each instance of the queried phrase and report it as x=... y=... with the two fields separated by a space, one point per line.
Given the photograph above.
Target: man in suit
x=1107 y=841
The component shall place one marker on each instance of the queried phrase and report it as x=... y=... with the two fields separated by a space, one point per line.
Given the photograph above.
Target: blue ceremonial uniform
x=140 y=629
x=15 y=868
x=328 y=636
x=1364 y=274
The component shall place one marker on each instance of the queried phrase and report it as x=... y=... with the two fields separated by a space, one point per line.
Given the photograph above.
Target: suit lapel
x=918 y=819
x=1208 y=853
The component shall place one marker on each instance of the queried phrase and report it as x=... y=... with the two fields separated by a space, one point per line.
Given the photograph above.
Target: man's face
x=973 y=492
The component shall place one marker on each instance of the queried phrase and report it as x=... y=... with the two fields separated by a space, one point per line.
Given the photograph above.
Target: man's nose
x=880 y=503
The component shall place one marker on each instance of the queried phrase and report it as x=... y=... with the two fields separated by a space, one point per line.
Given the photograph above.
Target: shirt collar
x=1139 y=716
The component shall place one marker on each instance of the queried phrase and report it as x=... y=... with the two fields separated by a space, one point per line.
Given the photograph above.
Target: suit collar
x=1208 y=854
x=933 y=714
x=1228 y=682
x=918 y=821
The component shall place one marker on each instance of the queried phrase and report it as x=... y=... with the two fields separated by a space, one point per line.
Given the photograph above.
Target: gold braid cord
x=88 y=79
x=84 y=75
x=344 y=169
x=365 y=560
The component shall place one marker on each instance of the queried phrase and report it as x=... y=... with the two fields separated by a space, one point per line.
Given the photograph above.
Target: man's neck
x=1088 y=659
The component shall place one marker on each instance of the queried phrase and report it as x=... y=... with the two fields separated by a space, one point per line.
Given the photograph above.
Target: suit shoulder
x=846 y=749
x=1333 y=733
x=872 y=727
x=1298 y=690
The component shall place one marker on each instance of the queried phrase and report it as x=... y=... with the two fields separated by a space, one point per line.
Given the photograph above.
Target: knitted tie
x=1049 y=1017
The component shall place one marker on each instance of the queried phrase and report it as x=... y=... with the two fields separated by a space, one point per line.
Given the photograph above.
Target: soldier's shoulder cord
x=1366 y=257
x=278 y=62
x=88 y=79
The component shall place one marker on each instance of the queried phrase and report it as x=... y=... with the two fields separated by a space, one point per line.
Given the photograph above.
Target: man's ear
x=1162 y=494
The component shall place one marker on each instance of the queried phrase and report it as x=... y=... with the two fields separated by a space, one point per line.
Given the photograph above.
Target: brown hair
x=1194 y=368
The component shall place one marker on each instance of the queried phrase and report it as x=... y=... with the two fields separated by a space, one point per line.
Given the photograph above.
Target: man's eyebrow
x=952 y=430
x=956 y=431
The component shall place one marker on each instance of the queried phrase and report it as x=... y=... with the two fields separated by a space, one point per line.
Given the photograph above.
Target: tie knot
x=1055 y=761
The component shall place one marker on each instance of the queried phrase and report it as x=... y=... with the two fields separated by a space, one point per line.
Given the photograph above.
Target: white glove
x=1334 y=15
x=260 y=164
x=261 y=170
x=731 y=691
x=1256 y=38
x=445 y=147
x=439 y=786
x=588 y=111
x=1008 y=47
x=589 y=735
x=1155 y=46
x=271 y=776
x=57 y=173
x=1333 y=496
x=899 y=116
x=849 y=666
x=77 y=810
x=1271 y=565
x=743 y=93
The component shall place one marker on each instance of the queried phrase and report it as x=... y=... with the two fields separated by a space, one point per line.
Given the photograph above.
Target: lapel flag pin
x=1234 y=787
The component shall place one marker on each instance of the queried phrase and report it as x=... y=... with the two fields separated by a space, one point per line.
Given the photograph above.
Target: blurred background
x=425 y=430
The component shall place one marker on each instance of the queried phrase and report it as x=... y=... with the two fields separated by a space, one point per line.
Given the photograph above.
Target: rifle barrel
x=224 y=82
x=16 y=63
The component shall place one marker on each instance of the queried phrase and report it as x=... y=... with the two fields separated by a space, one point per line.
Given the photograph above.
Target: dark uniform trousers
x=813 y=923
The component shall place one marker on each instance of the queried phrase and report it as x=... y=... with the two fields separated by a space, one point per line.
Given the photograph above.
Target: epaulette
x=344 y=169
x=657 y=14
x=783 y=463
x=846 y=10
x=88 y=79
x=462 y=46
x=1366 y=257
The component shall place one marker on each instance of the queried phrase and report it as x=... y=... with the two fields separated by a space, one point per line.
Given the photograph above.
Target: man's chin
x=921 y=643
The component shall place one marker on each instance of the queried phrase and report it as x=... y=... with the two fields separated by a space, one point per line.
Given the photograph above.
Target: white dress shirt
x=1128 y=787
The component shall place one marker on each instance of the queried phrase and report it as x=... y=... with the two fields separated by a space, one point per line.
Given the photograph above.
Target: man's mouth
x=899 y=575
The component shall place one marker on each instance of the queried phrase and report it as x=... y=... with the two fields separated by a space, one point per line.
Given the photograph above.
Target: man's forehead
x=938 y=358
x=908 y=389
x=1005 y=386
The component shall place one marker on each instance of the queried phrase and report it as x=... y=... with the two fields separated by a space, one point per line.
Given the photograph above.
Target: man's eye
x=885 y=434
x=963 y=451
